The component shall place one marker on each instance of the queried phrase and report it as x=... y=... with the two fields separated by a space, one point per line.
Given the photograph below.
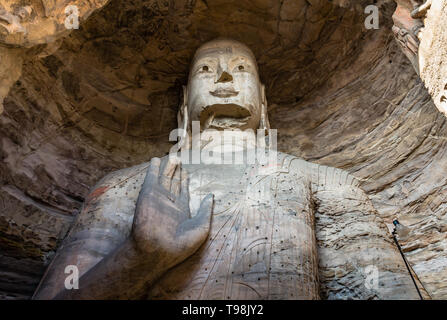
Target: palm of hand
x=163 y=225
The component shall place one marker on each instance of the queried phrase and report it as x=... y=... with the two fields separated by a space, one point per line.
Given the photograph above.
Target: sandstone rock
x=433 y=53
x=421 y=32
x=26 y=24
x=10 y=70
x=339 y=95
x=29 y=23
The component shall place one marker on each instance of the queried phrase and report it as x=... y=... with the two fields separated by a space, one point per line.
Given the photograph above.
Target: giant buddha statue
x=175 y=229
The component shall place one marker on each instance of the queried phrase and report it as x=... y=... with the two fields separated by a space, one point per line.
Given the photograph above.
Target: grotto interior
x=82 y=103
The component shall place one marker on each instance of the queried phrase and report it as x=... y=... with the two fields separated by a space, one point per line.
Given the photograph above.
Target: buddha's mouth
x=224 y=93
x=224 y=116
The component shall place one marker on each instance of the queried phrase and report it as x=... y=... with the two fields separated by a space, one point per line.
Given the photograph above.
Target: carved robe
x=264 y=237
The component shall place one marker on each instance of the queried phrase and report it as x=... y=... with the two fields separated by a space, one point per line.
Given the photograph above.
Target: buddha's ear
x=264 y=123
x=183 y=115
x=185 y=95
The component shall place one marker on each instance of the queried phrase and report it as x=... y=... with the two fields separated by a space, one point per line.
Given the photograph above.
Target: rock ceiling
x=105 y=97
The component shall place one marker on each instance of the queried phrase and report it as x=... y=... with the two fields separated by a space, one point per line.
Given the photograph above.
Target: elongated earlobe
x=264 y=123
x=183 y=119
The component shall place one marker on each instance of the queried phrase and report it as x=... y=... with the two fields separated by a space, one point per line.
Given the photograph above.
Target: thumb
x=206 y=209
x=198 y=227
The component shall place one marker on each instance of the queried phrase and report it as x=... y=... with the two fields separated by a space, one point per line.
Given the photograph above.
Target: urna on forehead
x=223 y=46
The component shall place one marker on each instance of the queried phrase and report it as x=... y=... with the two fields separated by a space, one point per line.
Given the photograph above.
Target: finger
x=184 y=185
x=167 y=172
x=149 y=180
x=170 y=166
x=152 y=171
x=175 y=184
x=183 y=197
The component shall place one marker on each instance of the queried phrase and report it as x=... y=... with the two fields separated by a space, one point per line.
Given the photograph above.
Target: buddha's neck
x=224 y=141
x=229 y=147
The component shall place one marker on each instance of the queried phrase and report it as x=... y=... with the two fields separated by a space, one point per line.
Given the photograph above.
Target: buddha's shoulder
x=120 y=180
x=292 y=163
x=319 y=174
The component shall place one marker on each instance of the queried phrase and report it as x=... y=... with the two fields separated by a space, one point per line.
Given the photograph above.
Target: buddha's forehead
x=227 y=49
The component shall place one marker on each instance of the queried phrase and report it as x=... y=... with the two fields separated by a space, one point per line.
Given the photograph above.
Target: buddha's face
x=224 y=91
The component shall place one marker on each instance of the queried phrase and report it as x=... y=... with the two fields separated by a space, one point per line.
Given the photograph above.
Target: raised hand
x=163 y=227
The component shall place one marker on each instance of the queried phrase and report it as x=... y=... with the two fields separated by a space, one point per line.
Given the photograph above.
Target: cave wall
x=38 y=26
x=106 y=97
x=432 y=53
x=420 y=27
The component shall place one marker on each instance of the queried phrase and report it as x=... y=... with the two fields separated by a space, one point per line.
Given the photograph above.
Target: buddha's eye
x=204 y=69
x=239 y=68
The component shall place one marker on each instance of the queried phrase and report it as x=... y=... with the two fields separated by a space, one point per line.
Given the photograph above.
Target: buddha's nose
x=224 y=77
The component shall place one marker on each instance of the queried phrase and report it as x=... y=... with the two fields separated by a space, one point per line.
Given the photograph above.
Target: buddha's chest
x=261 y=244
x=248 y=185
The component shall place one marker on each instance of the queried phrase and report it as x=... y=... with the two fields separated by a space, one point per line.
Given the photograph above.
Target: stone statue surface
x=171 y=230
x=408 y=24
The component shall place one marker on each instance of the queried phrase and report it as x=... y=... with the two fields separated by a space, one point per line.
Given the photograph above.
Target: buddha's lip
x=224 y=93
x=224 y=116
